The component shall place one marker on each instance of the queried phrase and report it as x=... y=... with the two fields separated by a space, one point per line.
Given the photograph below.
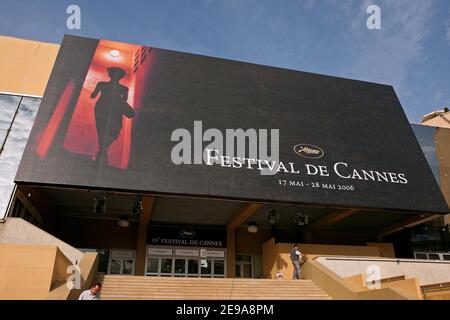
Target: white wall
x=426 y=271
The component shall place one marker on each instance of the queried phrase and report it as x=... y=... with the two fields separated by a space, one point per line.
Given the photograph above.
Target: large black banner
x=128 y=117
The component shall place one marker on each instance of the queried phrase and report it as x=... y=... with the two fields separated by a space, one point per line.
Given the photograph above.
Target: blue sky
x=410 y=52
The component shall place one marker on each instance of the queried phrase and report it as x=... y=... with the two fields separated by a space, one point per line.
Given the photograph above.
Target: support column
x=141 y=245
x=235 y=221
x=231 y=252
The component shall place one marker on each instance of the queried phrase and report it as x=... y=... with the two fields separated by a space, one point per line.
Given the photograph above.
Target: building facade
x=152 y=189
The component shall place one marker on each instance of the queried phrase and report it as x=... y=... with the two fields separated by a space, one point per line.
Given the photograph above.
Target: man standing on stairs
x=92 y=293
x=295 y=258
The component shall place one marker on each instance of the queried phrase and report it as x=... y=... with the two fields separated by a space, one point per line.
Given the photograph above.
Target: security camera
x=137 y=206
x=272 y=216
x=100 y=205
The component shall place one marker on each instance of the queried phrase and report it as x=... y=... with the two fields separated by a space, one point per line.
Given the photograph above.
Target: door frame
x=241 y=264
x=111 y=257
x=186 y=258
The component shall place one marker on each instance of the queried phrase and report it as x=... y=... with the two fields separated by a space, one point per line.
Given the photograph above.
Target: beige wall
x=270 y=259
x=427 y=272
x=442 y=121
x=408 y=287
x=25 y=65
x=29 y=271
x=442 y=139
x=19 y=231
x=438 y=295
x=88 y=269
x=353 y=288
x=276 y=256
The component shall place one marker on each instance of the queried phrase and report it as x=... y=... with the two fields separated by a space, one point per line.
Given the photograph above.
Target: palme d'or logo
x=187 y=233
x=308 y=151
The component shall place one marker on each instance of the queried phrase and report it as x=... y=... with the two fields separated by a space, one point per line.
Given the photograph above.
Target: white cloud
x=439 y=95
x=309 y=3
x=386 y=55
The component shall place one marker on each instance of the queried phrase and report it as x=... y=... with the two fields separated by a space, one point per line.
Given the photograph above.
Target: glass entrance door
x=171 y=265
x=121 y=262
x=166 y=267
x=244 y=266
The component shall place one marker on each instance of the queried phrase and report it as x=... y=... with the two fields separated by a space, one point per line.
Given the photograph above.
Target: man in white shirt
x=92 y=293
x=295 y=258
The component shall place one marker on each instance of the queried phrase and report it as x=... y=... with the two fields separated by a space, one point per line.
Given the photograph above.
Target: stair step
x=213 y=298
x=213 y=283
x=122 y=292
x=210 y=295
x=182 y=288
x=203 y=286
x=142 y=285
x=212 y=286
x=194 y=279
x=202 y=281
x=208 y=288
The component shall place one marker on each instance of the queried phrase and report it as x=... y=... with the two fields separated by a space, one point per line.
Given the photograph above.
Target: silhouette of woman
x=109 y=109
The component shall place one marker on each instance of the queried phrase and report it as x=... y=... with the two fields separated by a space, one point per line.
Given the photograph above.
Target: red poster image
x=101 y=124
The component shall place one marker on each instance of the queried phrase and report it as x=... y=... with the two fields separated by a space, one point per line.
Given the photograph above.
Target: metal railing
x=435 y=288
x=397 y=260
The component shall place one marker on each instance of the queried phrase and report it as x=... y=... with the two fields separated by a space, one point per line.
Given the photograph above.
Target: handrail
x=392 y=279
x=398 y=261
x=435 y=286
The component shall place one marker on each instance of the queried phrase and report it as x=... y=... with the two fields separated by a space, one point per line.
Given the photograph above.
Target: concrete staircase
x=167 y=288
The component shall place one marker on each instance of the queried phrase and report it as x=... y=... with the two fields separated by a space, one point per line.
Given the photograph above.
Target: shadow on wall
x=282 y=264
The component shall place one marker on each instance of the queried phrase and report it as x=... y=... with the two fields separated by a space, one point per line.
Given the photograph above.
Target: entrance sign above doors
x=187 y=236
x=203 y=253
x=122 y=254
